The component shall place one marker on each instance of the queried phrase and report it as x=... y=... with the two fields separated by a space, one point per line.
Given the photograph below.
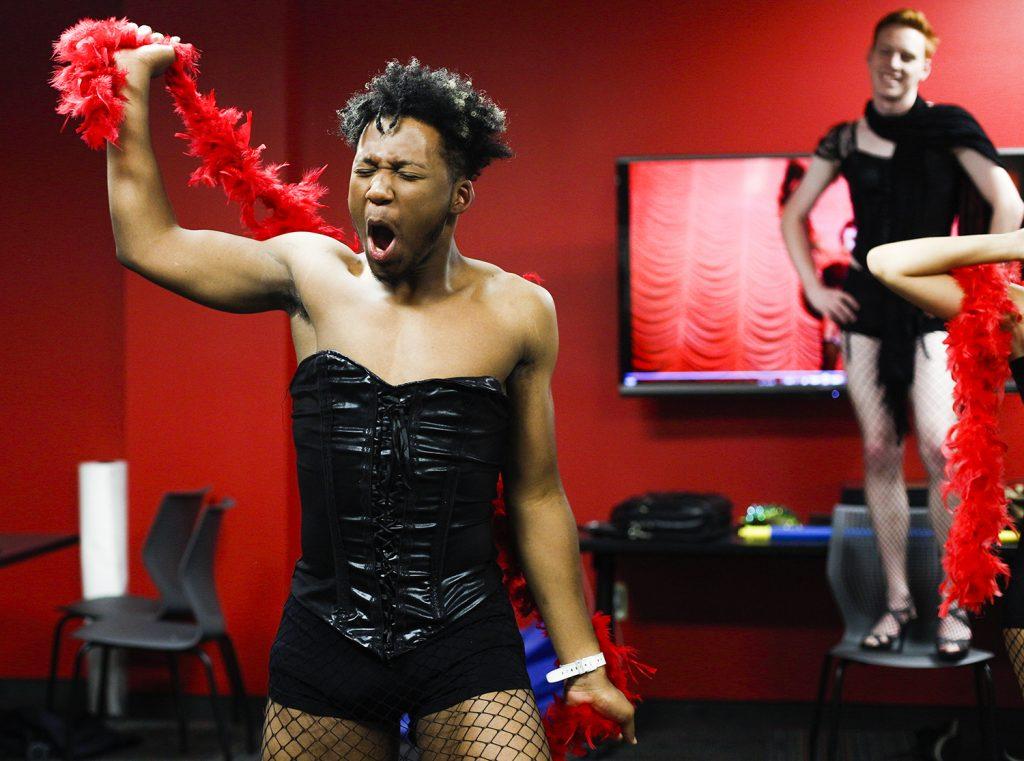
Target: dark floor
x=677 y=731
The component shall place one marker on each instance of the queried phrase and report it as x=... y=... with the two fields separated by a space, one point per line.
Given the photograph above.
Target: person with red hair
x=908 y=164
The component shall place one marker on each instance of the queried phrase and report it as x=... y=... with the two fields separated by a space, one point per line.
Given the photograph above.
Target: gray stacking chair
x=858 y=585
x=165 y=546
x=178 y=637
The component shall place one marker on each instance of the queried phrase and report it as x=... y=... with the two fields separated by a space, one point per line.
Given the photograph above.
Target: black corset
x=396 y=484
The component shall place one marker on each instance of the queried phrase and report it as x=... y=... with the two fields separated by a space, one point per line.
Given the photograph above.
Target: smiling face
x=898 y=63
x=402 y=197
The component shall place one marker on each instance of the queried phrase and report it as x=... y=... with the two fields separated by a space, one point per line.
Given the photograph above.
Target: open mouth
x=380 y=238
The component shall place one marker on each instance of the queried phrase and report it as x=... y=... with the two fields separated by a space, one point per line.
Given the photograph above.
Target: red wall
x=62 y=355
x=205 y=394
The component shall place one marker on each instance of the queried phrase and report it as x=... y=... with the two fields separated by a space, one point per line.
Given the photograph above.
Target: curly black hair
x=470 y=122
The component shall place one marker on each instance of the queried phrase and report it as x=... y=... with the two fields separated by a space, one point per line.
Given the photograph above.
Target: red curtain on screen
x=711 y=285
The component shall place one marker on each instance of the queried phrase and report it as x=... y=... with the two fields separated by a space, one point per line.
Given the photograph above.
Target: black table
x=605 y=550
x=17 y=547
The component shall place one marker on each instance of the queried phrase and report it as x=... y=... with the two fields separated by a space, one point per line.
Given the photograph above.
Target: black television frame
x=712 y=388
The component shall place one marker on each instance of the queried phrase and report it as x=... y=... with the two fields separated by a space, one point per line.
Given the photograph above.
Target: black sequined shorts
x=315 y=669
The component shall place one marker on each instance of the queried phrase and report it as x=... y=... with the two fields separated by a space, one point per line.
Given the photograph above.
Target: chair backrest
x=166 y=542
x=858 y=584
x=197 y=575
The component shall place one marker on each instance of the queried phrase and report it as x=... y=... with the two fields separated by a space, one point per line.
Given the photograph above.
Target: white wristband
x=582 y=666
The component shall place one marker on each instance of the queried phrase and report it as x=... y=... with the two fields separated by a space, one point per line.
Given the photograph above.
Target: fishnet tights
x=496 y=726
x=1014 y=640
x=931 y=396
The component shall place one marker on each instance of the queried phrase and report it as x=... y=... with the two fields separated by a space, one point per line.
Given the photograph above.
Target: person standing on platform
x=908 y=164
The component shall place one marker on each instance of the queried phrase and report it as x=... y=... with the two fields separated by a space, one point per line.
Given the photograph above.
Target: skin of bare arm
x=833 y=302
x=543 y=522
x=996 y=187
x=918 y=269
x=219 y=270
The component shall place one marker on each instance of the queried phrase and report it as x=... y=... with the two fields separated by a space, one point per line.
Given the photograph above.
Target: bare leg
x=292 y=735
x=932 y=397
x=884 y=485
x=497 y=726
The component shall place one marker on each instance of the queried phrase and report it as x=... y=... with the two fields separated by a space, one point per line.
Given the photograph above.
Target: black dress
x=869 y=178
x=919 y=192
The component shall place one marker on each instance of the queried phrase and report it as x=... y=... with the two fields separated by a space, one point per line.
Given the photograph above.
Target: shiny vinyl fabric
x=396 y=484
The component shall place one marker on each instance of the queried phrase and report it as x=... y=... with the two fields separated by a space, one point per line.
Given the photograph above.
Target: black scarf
x=921 y=135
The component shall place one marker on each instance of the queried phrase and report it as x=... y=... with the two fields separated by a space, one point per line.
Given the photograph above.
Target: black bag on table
x=674 y=516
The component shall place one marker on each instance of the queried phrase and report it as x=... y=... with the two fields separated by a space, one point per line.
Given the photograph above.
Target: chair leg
x=819 y=705
x=986 y=710
x=101 y=702
x=179 y=707
x=837 y=705
x=222 y=729
x=76 y=683
x=51 y=684
x=227 y=651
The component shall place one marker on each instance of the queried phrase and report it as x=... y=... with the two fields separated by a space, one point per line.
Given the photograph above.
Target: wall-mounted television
x=709 y=301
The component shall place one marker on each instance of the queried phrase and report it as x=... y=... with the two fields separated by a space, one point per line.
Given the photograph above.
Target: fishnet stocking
x=290 y=734
x=885 y=488
x=932 y=397
x=465 y=690
x=496 y=726
x=1014 y=639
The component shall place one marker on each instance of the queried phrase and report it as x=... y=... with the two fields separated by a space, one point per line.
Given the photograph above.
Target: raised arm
x=832 y=302
x=544 y=525
x=917 y=269
x=220 y=270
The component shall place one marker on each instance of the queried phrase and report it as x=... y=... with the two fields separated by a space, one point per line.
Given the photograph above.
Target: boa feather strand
x=979 y=347
x=90 y=86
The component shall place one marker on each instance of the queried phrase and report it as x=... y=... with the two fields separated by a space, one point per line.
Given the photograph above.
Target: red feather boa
x=571 y=728
x=90 y=87
x=979 y=347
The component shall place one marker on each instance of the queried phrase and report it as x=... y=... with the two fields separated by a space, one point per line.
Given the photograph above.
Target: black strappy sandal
x=883 y=642
x=960 y=647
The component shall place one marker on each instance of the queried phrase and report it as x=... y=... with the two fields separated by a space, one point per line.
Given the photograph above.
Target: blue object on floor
x=540 y=659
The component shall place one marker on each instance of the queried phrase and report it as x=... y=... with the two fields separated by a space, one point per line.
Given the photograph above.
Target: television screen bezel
x=707 y=388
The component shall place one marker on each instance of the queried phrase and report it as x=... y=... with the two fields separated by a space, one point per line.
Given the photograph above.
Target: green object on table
x=770 y=515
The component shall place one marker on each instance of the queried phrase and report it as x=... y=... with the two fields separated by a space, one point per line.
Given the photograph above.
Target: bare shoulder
x=526 y=312
x=513 y=296
x=297 y=246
